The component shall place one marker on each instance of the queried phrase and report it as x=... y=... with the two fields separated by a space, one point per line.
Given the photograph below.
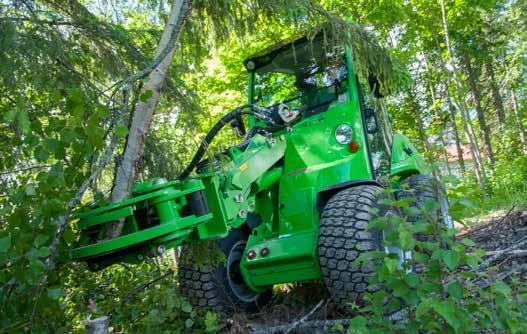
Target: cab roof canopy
x=296 y=57
x=370 y=59
x=267 y=55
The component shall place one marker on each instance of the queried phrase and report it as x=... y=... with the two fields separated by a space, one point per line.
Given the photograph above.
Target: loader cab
x=312 y=76
x=305 y=75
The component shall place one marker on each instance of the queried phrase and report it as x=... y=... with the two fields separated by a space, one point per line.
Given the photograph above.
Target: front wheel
x=344 y=236
x=222 y=287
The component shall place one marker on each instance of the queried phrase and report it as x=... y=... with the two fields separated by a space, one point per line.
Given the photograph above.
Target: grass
x=485 y=208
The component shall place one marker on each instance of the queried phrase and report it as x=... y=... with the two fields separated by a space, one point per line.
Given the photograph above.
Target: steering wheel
x=278 y=113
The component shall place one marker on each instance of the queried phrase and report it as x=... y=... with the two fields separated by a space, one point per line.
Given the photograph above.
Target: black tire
x=212 y=287
x=343 y=237
x=423 y=188
x=420 y=187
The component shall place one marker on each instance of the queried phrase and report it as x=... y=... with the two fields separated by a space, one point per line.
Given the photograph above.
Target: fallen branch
x=484 y=226
x=304 y=318
x=515 y=246
x=514 y=270
x=505 y=274
x=511 y=252
x=288 y=328
x=497 y=255
x=312 y=326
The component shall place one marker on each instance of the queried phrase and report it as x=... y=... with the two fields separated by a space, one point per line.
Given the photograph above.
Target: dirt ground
x=497 y=231
x=496 y=234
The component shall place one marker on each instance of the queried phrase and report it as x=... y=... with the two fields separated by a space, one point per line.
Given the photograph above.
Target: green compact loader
x=290 y=203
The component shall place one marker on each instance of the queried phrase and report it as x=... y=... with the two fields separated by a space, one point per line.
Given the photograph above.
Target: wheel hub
x=402 y=256
x=447 y=219
x=234 y=275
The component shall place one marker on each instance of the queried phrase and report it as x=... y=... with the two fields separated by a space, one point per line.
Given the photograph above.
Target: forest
x=97 y=96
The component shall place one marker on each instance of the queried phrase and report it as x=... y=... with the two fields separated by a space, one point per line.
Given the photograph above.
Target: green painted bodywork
x=405 y=164
x=280 y=179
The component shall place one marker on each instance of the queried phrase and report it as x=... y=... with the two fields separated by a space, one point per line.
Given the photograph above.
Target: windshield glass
x=303 y=75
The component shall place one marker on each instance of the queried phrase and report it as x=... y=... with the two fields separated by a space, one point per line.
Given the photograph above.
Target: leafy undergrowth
x=480 y=289
x=137 y=301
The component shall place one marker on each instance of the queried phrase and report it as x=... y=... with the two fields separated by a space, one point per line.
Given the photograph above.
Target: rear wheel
x=343 y=237
x=221 y=287
x=423 y=188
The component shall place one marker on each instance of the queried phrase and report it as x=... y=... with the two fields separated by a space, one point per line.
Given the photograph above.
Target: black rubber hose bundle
x=210 y=136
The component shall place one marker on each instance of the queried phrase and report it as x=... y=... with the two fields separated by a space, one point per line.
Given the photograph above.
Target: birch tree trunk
x=467 y=122
x=452 y=112
x=144 y=109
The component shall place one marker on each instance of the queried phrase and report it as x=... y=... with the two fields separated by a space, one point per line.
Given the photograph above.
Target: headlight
x=344 y=134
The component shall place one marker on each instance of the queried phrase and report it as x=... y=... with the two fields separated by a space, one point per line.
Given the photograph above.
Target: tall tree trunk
x=467 y=123
x=519 y=120
x=474 y=149
x=455 y=130
x=420 y=124
x=436 y=115
x=434 y=109
x=144 y=109
x=484 y=129
x=443 y=145
x=421 y=128
x=496 y=96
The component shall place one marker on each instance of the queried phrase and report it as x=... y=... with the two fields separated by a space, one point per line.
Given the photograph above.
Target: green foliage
x=55 y=120
x=59 y=60
x=506 y=187
x=444 y=287
x=138 y=298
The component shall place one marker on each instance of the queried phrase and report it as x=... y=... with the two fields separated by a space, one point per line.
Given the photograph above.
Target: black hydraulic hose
x=254 y=130
x=210 y=136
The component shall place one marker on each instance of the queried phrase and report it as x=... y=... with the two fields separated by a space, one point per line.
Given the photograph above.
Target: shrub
x=445 y=286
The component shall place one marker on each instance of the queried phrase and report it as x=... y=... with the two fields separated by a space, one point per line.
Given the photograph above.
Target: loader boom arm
x=162 y=214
